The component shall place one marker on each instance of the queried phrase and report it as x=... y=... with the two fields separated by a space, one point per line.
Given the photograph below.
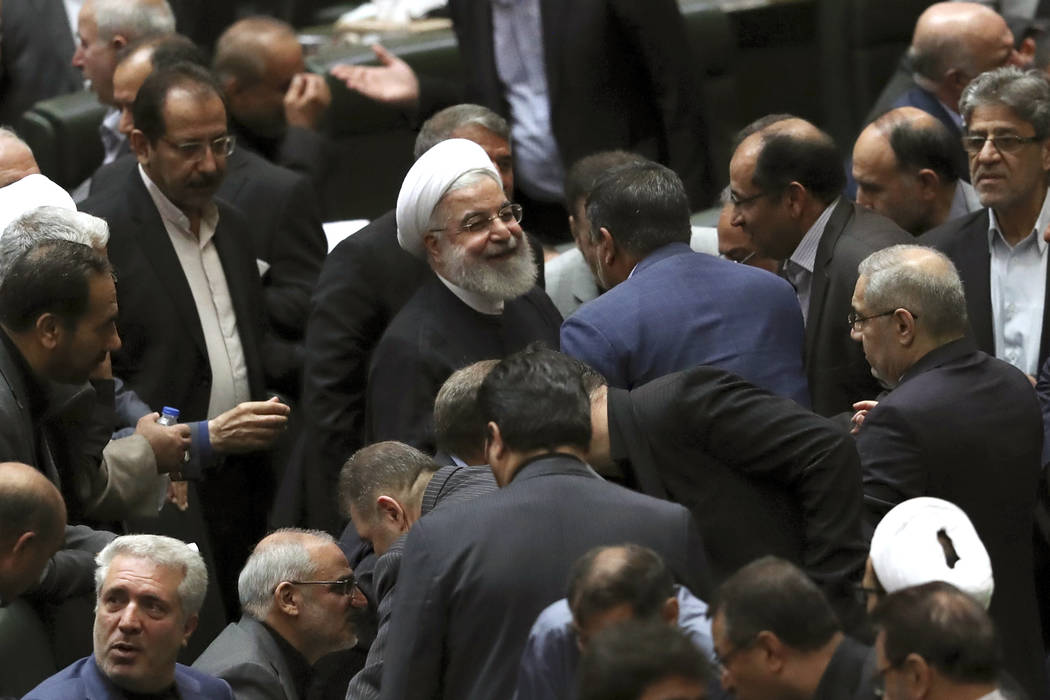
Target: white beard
x=501 y=280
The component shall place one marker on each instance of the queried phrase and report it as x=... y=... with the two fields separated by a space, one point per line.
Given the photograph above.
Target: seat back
x=63 y=133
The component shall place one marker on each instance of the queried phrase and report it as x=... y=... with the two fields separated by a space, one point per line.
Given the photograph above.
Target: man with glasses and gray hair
x=954 y=417
x=299 y=599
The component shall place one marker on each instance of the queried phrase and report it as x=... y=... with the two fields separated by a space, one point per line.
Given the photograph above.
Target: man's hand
x=393 y=83
x=248 y=427
x=861 y=408
x=179 y=494
x=307 y=100
x=169 y=442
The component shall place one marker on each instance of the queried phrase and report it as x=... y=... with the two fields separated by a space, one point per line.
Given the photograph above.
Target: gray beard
x=496 y=279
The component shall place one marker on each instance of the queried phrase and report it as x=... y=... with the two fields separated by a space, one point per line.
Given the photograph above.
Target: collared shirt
x=964 y=201
x=1018 y=288
x=517 y=34
x=298 y=666
x=799 y=267
x=202 y=267
x=479 y=302
x=112 y=139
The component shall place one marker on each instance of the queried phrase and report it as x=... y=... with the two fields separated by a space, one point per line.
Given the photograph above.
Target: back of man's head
x=459 y=425
x=632 y=659
x=166 y=51
x=644 y=207
x=148 y=110
x=31 y=529
x=537 y=398
x=133 y=19
x=587 y=171
x=53 y=276
x=50 y=224
x=948 y=629
x=241 y=51
x=793 y=150
x=16 y=158
x=608 y=577
x=382 y=469
x=921 y=141
x=441 y=126
x=283 y=555
x=957 y=37
x=774 y=595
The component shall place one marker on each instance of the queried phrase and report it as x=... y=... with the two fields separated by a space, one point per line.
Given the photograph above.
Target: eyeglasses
x=724 y=661
x=878 y=681
x=730 y=197
x=221 y=147
x=1005 y=143
x=855 y=320
x=508 y=214
x=742 y=261
x=344 y=586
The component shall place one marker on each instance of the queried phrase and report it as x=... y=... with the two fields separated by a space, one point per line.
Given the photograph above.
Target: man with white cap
x=480 y=303
x=22 y=187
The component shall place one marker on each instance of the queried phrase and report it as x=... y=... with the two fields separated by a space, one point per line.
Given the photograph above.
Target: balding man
x=954 y=417
x=104 y=27
x=22 y=187
x=276 y=107
x=906 y=168
x=480 y=303
x=31 y=530
x=785 y=182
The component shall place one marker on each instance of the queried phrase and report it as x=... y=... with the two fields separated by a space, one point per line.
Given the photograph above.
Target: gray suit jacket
x=247 y=657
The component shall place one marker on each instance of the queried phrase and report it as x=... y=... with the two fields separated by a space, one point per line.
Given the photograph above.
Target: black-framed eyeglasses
x=1004 y=143
x=855 y=320
x=344 y=586
x=509 y=214
x=221 y=147
x=731 y=197
x=724 y=661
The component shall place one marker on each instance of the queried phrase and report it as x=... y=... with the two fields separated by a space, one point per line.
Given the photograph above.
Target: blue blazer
x=83 y=680
x=680 y=309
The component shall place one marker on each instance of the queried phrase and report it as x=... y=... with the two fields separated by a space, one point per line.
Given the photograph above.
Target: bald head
x=16 y=158
x=955 y=42
x=31 y=529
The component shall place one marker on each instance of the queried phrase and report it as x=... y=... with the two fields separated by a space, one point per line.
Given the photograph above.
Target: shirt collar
x=805 y=255
x=479 y=302
x=171 y=214
x=1041 y=224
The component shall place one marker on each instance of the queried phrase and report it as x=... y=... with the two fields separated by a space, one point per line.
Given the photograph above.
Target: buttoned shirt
x=517 y=32
x=112 y=139
x=1018 y=288
x=479 y=302
x=799 y=267
x=202 y=267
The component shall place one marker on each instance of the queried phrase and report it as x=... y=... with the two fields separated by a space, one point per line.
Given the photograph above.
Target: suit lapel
x=973 y=260
x=815 y=316
x=273 y=654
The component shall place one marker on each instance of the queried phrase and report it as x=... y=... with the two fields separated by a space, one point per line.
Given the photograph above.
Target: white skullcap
x=428 y=180
x=31 y=192
x=905 y=550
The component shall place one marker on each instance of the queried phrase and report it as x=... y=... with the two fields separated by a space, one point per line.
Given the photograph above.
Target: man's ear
x=285 y=598
x=118 y=42
x=189 y=629
x=773 y=650
x=24 y=542
x=48 y=330
x=140 y=146
x=796 y=197
x=929 y=183
x=431 y=243
x=606 y=246
x=917 y=674
x=669 y=611
x=391 y=510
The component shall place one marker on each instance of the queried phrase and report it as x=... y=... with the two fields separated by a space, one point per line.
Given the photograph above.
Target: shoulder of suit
x=947 y=234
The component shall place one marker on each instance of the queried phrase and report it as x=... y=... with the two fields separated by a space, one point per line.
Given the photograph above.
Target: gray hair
x=167 y=552
x=1027 y=93
x=385 y=468
x=49 y=224
x=440 y=126
x=459 y=424
x=900 y=277
x=286 y=558
x=133 y=19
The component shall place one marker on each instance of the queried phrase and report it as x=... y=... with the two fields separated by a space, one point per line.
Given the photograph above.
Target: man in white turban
x=22 y=187
x=481 y=302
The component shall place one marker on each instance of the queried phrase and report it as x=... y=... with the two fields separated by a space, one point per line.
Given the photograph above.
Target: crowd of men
x=470 y=453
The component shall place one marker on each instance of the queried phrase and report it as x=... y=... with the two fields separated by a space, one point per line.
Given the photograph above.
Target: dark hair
x=536 y=397
x=383 y=468
x=626 y=659
x=166 y=51
x=148 y=110
x=929 y=146
x=946 y=627
x=586 y=171
x=775 y=595
x=459 y=425
x=606 y=577
x=813 y=162
x=760 y=124
x=643 y=205
x=27 y=507
x=53 y=276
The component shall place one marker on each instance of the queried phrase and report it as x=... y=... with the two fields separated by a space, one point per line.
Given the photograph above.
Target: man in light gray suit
x=298 y=597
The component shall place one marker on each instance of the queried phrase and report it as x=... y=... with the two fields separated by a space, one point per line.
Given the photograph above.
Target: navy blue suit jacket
x=680 y=309
x=82 y=679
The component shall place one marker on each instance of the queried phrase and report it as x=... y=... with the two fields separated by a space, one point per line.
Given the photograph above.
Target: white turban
x=427 y=182
x=31 y=192
x=905 y=550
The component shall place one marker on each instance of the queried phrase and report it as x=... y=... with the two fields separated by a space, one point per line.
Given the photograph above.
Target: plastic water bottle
x=168 y=416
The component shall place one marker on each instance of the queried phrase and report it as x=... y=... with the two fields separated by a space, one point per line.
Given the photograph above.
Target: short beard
x=502 y=280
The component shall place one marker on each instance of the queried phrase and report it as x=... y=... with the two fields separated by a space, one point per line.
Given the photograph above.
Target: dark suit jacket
x=473 y=578
x=619 y=75
x=966 y=427
x=760 y=474
x=246 y=656
x=680 y=309
x=285 y=225
x=83 y=679
x=965 y=241
x=838 y=372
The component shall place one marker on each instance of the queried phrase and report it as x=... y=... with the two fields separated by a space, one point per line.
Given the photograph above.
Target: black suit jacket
x=619 y=75
x=837 y=370
x=965 y=241
x=966 y=427
x=760 y=474
x=474 y=575
x=285 y=225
